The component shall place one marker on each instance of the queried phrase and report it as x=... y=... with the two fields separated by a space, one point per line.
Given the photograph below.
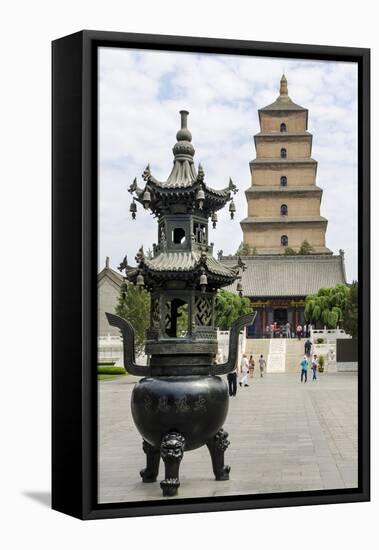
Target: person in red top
x=299 y=330
x=275 y=329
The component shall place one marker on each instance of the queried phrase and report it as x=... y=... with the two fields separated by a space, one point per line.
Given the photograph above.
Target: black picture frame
x=74 y=204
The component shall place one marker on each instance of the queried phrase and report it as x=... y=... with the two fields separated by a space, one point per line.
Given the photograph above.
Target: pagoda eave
x=259 y=190
x=285 y=220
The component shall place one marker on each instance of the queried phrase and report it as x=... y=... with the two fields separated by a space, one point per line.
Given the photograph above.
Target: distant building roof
x=292 y=276
x=111 y=274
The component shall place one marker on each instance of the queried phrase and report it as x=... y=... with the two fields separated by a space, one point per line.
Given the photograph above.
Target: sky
x=140 y=95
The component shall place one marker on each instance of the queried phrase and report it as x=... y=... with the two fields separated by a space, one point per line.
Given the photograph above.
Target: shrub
x=103 y=369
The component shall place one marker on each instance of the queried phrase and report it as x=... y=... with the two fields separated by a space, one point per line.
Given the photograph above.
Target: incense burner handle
x=127 y=332
x=229 y=366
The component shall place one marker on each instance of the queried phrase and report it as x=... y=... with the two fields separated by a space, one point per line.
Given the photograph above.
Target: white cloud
x=141 y=93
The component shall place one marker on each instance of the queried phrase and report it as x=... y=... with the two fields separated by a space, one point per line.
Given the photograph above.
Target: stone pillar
x=270 y=316
x=264 y=319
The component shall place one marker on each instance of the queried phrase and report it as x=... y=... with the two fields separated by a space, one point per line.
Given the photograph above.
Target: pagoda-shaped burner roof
x=186 y=264
x=188 y=261
x=184 y=185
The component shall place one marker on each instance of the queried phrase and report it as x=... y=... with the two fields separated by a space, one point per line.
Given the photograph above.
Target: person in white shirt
x=244 y=370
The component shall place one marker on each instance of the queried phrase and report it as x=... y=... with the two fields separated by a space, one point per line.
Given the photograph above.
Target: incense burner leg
x=217 y=446
x=150 y=473
x=172 y=449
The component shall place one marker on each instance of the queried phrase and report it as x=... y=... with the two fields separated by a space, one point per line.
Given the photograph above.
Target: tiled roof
x=281 y=276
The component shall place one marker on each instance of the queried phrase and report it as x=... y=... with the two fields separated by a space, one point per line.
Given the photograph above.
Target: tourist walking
x=232 y=382
x=314 y=366
x=262 y=365
x=299 y=330
x=288 y=329
x=308 y=348
x=251 y=366
x=271 y=331
x=304 y=369
x=244 y=371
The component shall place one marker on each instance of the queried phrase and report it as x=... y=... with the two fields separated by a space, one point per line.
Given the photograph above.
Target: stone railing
x=328 y=335
x=223 y=345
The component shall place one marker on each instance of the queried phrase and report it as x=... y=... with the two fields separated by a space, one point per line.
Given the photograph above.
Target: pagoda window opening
x=284 y=240
x=283 y=153
x=178 y=235
x=284 y=210
x=283 y=181
x=176 y=319
x=283 y=127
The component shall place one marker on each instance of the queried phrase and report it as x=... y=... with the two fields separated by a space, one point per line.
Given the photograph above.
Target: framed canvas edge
x=83 y=383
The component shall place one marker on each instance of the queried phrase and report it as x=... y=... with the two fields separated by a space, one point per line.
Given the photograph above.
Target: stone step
x=294 y=351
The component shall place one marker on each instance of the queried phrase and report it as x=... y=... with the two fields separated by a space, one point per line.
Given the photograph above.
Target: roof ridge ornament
x=200 y=173
x=146 y=173
x=140 y=256
x=232 y=186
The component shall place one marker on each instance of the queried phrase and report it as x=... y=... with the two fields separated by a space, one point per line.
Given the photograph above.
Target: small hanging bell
x=239 y=288
x=200 y=197
x=232 y=209
x=140 y=281
x=146 y=199
x=214 y=220
x=203 y=282
x=133 y=209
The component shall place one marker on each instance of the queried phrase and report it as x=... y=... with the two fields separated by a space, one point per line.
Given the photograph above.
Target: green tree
x=182 y=320
x=327 y=305
x=305 y=248
x=229 y=307
x=350 y=311
x=134 y=305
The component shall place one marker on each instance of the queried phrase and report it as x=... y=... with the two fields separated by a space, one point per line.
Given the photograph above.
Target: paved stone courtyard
x=285 y=436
